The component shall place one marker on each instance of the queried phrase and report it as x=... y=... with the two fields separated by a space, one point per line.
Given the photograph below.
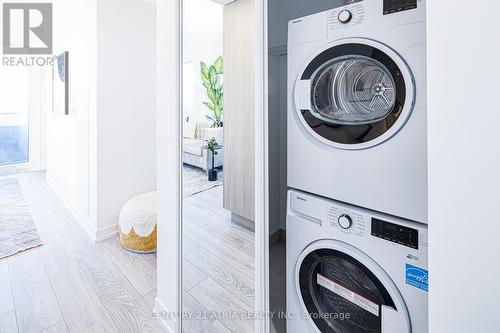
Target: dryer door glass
x=357 y=93
x=353 y=90
x=341 y=294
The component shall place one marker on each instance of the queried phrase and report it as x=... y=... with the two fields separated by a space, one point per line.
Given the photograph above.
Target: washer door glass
x=355 y=95
x=353 y=90
x=340 y=294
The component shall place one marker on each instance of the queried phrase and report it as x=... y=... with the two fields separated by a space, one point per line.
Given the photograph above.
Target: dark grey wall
x=281 y=11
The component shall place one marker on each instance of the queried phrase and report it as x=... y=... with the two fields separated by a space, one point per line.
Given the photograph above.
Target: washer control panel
x=345 y=16
x=345 y=221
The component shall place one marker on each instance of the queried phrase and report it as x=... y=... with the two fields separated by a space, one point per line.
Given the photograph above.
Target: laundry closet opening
x=346 y=104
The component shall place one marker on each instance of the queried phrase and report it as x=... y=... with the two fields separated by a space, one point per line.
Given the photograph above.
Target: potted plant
x=212 y=81
x=213 y=173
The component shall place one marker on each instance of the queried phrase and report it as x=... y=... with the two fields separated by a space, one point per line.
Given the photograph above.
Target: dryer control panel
x=395 y=233
x=347 y=221
x=394 y=6
x=346 y=16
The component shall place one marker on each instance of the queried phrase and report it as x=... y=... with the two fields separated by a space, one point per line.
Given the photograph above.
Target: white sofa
x=196 y=135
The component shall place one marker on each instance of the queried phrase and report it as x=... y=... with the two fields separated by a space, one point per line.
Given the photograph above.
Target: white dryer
x=357 y=106
x=350 y=270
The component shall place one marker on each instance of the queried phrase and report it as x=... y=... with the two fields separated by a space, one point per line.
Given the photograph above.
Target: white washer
x=357 y=106
x=350 y=270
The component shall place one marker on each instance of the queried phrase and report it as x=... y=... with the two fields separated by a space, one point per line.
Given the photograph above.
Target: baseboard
x=106 y=233
x=277 y=236
x=170 y=325
x=240 y=220
x=81 y=218
x=283 y=235
x=94 y=234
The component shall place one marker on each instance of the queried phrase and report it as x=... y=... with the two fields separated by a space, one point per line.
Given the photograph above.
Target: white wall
x=464 y=164
x=202 y=41
x=104 y=151
x=69 y=157
x=38 y=107
x=126 y=104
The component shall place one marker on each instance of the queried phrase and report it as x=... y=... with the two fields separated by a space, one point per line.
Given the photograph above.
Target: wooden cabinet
x=239 y=108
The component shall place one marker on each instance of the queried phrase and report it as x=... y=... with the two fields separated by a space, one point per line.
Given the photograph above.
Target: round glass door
x=360 y=94
x=341 y=294
x=353 y=90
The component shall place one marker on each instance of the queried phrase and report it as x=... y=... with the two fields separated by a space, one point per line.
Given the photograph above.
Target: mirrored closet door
x=218 y=103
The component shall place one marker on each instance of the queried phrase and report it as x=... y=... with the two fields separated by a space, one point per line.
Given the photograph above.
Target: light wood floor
x=70 y=284
x=218 y=274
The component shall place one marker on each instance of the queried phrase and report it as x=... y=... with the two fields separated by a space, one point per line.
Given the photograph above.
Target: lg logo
x=27 y=28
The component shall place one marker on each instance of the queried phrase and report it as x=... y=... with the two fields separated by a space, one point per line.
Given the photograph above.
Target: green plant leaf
x=212 y=97
x=219 y=65
x=206 y=83
x=204 y=71
x=209 y=105
x=212 y=81
x=212 y=75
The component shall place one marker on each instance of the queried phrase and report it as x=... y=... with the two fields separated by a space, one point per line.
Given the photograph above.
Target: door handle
x=303 y=94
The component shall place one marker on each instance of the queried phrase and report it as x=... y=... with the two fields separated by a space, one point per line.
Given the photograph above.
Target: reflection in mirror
x=218 y=166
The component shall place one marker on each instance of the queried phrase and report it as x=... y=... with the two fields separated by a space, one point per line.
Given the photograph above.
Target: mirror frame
x=169 y=133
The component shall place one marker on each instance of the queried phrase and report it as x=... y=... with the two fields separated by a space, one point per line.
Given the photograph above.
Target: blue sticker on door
x=417 y=277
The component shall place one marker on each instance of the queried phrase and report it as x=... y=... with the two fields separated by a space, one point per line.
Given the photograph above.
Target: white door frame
x=261 y=170
x=169 y=46
x=169 y=268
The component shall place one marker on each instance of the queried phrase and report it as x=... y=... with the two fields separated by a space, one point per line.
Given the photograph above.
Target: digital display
x=394 y=6
x=395 y=233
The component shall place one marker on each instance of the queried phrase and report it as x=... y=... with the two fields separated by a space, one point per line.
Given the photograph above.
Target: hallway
x=70 y=284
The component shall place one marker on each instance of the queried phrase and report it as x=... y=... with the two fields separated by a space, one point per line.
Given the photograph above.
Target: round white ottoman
x=138 y=223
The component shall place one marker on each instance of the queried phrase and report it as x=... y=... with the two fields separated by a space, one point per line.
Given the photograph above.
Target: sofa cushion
x=217 y=133
x=193 y=146
x=189 y=129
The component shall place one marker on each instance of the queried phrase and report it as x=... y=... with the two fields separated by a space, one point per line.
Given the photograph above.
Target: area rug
x=195 y=180
x=17 y=229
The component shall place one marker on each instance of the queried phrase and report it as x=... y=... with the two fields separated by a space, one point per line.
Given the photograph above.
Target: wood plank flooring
x=8 y=323
x=71 y=284
x=219 y=274
x=6 y=301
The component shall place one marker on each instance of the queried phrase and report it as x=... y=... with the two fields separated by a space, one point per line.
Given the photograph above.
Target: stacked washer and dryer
x=357 y=167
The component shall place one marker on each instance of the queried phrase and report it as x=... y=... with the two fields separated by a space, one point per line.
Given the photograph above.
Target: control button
x=345 y=221
x=345 y=16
